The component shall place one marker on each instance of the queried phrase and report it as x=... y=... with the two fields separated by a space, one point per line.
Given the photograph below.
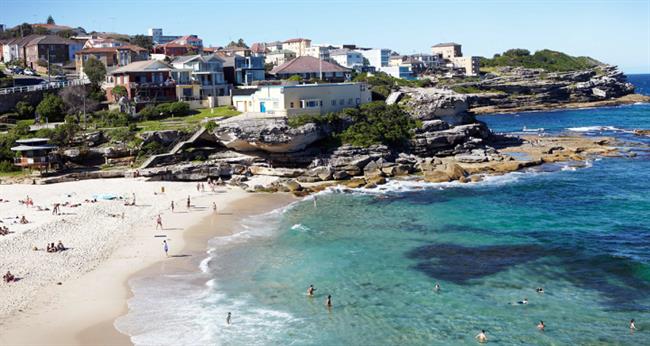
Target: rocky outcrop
x=518 y=89
x=438 y=139
x=436 y=103
x=165 y=138
x=271 y=135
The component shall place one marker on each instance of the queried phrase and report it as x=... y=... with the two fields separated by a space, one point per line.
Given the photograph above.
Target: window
x=358 y=102
x=349 y=101
x=341 y=102
x=311 y=104
x=291 y=105
x=333 y=102
x=276 y=105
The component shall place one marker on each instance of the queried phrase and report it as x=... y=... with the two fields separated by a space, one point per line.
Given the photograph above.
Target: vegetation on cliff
x=546 y=59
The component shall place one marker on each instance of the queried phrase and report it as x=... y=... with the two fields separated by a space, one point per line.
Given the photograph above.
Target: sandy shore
x=105 y=249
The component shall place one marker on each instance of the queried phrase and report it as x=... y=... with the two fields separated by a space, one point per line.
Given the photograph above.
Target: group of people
x=28 y=202
x=9 y=277
x=4 y=230
x=55 y=248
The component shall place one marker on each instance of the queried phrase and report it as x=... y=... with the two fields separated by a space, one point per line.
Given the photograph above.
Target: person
x=60 y=246
x=436 y=287
x=541 y=325
x=632 y=326
x=310 y=290
x=172 y=206
x=539 y=290
x=328 y=301
x=23 y=220
x=315 y=198
x=481 y=337
x=159 y=222
x=49 y=248
x=9 y=277
x=133 y=203
x=214 y=207
x=228 y=318
x=523 y=302
x=55 y=210
x=162 y=189
x=198 y=187
x=166 y=248
x=188 y=202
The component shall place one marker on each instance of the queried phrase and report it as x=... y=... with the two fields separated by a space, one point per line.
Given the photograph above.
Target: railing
x=46 y=86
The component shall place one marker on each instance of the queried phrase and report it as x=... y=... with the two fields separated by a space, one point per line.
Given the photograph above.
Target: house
x=447 y=50
x=297 y=45
x=146 y=81
x=279 y=57
x=403 y=71
x=157 y=36
x=471 y=64
x=100 y=42
x=309 y=67
x=377 y=57
x=181 y=46
x=243 y=70
x=234 y=50
x=35 y=153
x=51 y=49
x=346 y=57
x=13 y=49
x=258 y=49
x=319 y=52
x=199 y=76
x=112 y=57
x=291 y=100
x=273 y=46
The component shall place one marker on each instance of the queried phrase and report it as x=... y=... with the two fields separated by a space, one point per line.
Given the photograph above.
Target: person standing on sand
x=228 y=318
x=188 y=202
x=214 y=207
x=159 y=222
x=133 y=199
x=166 y=248
x=481 y=337
x=172 y=206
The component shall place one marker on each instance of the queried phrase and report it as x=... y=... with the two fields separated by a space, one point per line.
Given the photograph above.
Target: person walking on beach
x=541 y=326
x=133 y=203
x=632 y=326
x=481 y=337
x=328 y=301
x=188 y=202
x=228 y=318
x=214 y=207
x=172 y=206
x=310 y=290
x=166 y=248
x=159 y=222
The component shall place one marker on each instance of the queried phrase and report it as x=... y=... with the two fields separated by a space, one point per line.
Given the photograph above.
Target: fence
x=45 y=86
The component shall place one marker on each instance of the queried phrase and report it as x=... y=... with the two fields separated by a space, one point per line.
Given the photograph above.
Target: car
x=29 y=72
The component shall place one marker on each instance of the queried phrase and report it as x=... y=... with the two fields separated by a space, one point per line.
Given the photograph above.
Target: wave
x=594 y=129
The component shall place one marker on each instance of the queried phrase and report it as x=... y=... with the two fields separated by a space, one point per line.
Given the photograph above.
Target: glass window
x=291 y=105
x=349 y=101
x=358 y=102
x=333 y=102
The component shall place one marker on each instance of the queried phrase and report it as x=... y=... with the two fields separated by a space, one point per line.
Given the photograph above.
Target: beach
x=104 y=249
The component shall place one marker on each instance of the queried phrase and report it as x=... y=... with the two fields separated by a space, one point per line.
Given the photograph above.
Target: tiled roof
x=258 y=47
x=307 y=64
x=50 y=39
x=294 y=40
x=143 y=66
x=130 y=47
x=446 y=44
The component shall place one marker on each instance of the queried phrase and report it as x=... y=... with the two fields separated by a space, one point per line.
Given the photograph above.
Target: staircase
x=154 y=159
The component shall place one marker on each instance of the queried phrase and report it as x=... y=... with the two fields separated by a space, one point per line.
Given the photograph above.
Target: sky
x=615 y=32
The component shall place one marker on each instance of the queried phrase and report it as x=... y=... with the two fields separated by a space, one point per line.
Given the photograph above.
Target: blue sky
x=616 y=32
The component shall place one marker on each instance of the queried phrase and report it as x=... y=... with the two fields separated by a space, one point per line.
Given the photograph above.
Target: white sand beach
x=59 y=295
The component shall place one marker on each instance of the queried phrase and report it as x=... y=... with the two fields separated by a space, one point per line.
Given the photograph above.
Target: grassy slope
x=549 y=60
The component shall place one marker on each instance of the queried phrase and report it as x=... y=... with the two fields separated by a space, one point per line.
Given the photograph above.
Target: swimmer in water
x=539 y=290
x=523 y=302
x=228 y=318
x=632 y=326
x=541 y=325
x=436 y=287
x=328 y=302
x=310 y=290
x=481 y=337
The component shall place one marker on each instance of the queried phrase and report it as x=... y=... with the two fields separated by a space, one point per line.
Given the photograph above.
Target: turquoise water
x=582 y=234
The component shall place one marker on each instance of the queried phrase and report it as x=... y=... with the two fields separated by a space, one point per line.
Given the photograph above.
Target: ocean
x=580 y=231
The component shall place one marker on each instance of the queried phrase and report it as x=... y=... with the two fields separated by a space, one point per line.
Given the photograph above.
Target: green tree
x=240 y=44
x=378 y=123
x=143 y=41
x=39 y=30
x=24 y=110
x=95 y=70
x=25 y=29
x=119 y=91
x=295 y=78
x=51 y=107
x=65 y=133
x=50 y=20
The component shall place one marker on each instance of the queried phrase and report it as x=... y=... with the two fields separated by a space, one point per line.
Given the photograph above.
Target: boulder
x=276 y=172
x=355 y=183
x=372 y=169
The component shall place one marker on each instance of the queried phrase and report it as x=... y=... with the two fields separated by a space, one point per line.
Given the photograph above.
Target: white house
x=377 y=57
x=346 y=57
x=290 y=100
x=204 y=72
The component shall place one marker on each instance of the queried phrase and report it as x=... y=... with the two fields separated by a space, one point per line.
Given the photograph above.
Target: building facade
x=471 y=64
x=447 y=50
x=206 y=72
x=297 y=45
x=377 y=57
x=111 y=57
x=291 y=100
x=308 y=67
x=148 y=81
x=347 y=58
x=243 y=70
x=279 y=57
x=158 y=38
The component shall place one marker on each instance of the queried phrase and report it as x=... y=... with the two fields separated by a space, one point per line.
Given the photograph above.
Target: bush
x=122 y=134
x=51 y=107
x=545 y=59
x=211 y=125
x=7 y=166
x=163 y=110
x=24 y=110
x=295 y=78
x=378 y=123
x=111 y=118
x=65 y=133
x=179 y=108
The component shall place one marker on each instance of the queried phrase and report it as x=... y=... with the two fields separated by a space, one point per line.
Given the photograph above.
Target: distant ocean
x=580 y=233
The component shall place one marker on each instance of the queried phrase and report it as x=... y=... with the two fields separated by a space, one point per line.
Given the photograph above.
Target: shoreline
x=94 y=290
x=621 y=101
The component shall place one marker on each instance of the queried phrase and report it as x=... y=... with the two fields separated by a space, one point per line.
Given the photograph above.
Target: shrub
x=7 y=166
x=111 y=118
x=211 y=125
x=51 y=107
x=295 y=78
x=64 y=134
x=378 y=123
x=121 y=134
x=179 y=108
x=24 y=110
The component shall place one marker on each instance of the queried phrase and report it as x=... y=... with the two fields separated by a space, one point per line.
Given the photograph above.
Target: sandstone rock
x=293 y=185
x=340 y=175
x=376 y=180
x=277 y=172
x=164 y=137
x=355 y=183
x=372 y=169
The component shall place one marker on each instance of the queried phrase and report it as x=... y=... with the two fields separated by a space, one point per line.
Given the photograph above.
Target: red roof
x=258 y=47
x=294 y=40
x=131 y=47
x=307 y=64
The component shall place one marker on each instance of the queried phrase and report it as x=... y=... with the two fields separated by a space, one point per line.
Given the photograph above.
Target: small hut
x=34 y=153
